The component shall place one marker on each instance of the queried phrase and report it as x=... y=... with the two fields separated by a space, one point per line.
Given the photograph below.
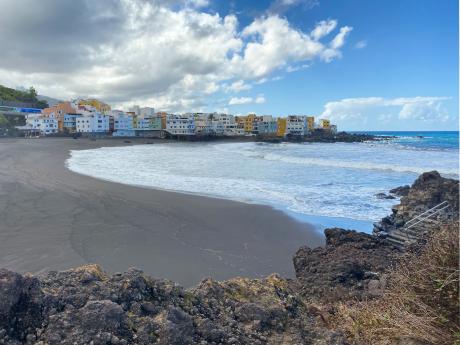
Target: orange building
x=162 y=114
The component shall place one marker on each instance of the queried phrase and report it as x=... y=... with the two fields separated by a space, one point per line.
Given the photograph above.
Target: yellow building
x=281 y=127
x=249 y=123
x=310 y=123
x=325 y=124
x=98 y=105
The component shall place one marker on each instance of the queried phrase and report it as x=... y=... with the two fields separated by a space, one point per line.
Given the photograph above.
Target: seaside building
x=325 y=124
x=123 y=125
x=217 y=127
x=226 y=119
x=70 y=123
x=58 y=111
x=181 y=125
x=296 y=125
x=39 y=124
x=333 y=129
x=203 y=123
x=280 y=127
x=265 y=125
x=95 y=123
x=98 y=105
x=147 y=126
x=249 y=123
x=310 y=123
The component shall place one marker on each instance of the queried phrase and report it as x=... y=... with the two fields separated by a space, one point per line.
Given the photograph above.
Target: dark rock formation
x=350 y=265
x=400 y=191
x=384 y=196
x=86 y=306
x=429 y=190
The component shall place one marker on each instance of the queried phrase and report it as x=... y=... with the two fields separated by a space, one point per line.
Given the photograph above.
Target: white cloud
x=361 y=44
x=291 y=69
x=197 y=3
x=238 y=86
x=280 y=6
x=260 y=99
x=240 y=100
x=323 y=28
x=339 y=39
x=386 y=109
x=274 y=44
x=333 y=50
x=150 y=53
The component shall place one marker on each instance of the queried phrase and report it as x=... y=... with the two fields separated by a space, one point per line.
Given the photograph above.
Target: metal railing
x=426 y=216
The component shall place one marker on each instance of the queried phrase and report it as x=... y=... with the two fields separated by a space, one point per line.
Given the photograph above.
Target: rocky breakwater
x=428 y=190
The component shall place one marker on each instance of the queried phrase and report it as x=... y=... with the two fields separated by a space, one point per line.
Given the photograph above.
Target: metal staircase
x=419 y=225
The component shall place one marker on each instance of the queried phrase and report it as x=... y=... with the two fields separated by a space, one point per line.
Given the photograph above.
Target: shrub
x=420 y=303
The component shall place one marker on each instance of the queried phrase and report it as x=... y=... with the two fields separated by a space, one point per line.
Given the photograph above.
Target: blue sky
x=410 y=50
x=365 y=64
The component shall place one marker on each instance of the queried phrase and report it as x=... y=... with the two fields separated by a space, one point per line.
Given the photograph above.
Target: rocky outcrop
x=87 y=306
x=428 y=190
x=400 y=191
x=350 y=265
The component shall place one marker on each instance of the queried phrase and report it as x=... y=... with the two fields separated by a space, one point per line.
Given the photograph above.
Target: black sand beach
x=53 y=219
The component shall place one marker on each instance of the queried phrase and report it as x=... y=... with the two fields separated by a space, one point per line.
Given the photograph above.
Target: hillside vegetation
x=28 y=98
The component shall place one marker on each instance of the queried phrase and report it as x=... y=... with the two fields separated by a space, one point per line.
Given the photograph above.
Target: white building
x=203 y=123
x=93 y=123
x=180 y=124
x=226 y=119
x=233 y=130
x=217 y=128
x=296 y=125
x=39 y=123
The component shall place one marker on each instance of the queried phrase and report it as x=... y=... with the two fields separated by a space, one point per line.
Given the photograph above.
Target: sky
x=365 y=65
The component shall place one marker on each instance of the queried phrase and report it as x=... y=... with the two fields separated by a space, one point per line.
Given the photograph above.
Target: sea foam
x=333 y=180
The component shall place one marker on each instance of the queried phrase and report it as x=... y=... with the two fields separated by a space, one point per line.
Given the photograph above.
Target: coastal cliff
x=341 y=294
x=428 y=190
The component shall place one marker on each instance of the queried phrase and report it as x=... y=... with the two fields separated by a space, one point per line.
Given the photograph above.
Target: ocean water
x=328 y=184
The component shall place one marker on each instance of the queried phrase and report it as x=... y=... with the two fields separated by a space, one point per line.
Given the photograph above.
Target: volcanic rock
x=428 y=190
x=346 y=267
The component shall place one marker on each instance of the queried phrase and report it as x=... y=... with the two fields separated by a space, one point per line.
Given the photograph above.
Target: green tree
x=3 y=121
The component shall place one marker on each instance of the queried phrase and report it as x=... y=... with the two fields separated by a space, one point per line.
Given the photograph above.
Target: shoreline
x=318 y=222
x=56 y=219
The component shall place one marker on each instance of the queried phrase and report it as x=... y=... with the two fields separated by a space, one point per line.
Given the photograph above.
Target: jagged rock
x=345 y=266
x=86 y=306
x=21 y=303
x=428 y=190
x=400 y=191
x=384 y=196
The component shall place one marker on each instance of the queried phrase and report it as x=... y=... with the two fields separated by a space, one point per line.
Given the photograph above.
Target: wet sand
x=54 y=219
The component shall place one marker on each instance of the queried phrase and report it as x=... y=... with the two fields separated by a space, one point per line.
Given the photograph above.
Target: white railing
x=427 y=215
